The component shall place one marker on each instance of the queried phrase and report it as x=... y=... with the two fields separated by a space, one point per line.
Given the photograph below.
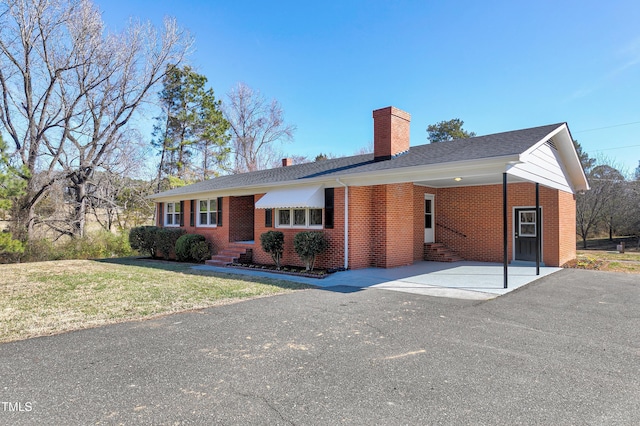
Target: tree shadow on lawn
x=632 y=243
x=186 y=268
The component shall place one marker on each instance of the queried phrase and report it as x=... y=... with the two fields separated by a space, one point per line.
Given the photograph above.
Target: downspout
x=346 y=224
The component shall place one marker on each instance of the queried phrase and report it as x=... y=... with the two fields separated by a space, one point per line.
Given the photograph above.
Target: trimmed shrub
x=273 y=243
x=200 y=251
x=308 y=245
x=185 y=244
x=166 y=241
x=144 y=239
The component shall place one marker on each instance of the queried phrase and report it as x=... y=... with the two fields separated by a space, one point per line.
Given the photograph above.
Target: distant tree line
x=612 y=206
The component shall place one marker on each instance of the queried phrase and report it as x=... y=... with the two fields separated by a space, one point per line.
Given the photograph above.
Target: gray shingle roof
x=480 y=147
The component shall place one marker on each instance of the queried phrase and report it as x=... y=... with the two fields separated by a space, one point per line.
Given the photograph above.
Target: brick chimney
x=287 y=162
x=390 y=132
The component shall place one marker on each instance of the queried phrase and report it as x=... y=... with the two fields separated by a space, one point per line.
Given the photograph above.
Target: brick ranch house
x=401 y=204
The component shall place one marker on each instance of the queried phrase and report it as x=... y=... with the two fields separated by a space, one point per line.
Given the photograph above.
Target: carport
x=551 y=162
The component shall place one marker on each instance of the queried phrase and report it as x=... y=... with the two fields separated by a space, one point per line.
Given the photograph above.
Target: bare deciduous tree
x=602 y=204
x=367 y=149
x=70 y=89
x=117 y=192
x=257 y=128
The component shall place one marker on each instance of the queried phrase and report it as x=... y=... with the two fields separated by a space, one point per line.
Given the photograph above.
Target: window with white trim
x=208 y=212
x=528 y=223
x=173 y=213
x=315 y=217
x=298 y=218
x=284 y=218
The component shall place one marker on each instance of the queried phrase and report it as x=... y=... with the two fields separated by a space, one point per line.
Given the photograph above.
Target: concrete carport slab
x=458 y=280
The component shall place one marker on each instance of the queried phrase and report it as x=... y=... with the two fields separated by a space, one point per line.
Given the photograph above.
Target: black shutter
x=192 y=213
x=219 y=211
x=181 y=213
x=268 y=218
x=160 y=214
x=328 y=208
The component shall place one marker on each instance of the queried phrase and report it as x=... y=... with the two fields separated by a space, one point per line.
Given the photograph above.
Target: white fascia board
x=570 y=163
x=423 y=172
x=464 y=169
x=248 y=190
x=171 y=199
x=207 y=194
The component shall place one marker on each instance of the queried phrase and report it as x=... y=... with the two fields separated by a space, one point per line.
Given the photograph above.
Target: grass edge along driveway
x=45 y=298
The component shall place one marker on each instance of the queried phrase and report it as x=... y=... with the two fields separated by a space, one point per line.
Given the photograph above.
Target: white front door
x=429 y=218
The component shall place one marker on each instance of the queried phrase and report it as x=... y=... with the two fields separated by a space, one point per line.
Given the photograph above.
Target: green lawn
x=52 y=297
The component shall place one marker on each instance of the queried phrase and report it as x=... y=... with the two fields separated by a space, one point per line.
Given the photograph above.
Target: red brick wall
x=379 y=232
x=392 y=225
x=361 y=238
x=551 y=215
x=477 y=212
x=567 y=227
x=332 y=258
x=378 y=226
x=217 y=236
x=335 y=254
x=390 y=131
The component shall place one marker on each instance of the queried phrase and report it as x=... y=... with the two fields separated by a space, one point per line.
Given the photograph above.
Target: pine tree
x=12 y=185
x=447 y=131
x=586 y=161
x=192 y=135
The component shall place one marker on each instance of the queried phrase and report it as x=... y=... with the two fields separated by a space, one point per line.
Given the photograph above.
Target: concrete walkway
x=459 y=280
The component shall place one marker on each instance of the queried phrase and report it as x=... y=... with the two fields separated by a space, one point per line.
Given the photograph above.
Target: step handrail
x=451 y=229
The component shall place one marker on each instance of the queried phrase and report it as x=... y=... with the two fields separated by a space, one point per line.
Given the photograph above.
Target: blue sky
x=497 y=65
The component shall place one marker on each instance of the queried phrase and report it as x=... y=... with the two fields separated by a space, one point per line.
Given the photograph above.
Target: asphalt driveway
x=562 y=350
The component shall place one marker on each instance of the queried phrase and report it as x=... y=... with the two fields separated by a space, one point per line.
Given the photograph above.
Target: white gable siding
x=543 y=165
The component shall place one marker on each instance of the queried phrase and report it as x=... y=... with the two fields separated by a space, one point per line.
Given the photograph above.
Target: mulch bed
x=582 y=263
x=285 y=270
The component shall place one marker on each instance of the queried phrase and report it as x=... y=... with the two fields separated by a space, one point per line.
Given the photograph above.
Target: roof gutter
x=346 y=223
x=403 y=174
